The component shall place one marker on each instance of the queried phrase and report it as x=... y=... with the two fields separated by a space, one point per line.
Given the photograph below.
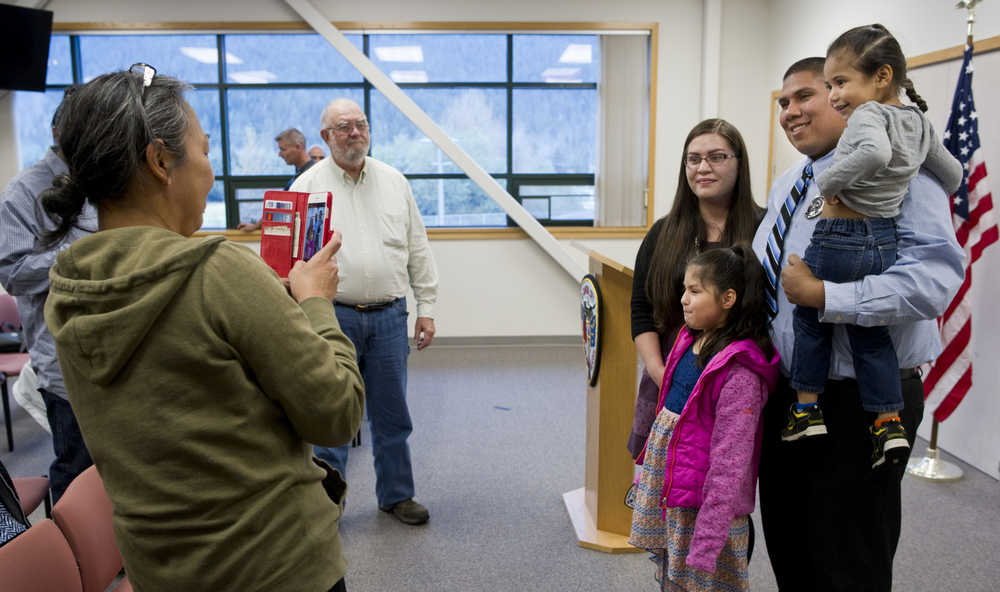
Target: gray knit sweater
x=878 y=155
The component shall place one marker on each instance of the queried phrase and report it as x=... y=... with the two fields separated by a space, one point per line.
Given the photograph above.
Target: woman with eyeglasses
x=199 y=384
x=713 y=207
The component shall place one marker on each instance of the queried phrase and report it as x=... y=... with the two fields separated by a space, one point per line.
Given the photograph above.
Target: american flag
x=972 y=213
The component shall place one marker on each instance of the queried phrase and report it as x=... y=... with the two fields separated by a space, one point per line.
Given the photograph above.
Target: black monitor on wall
x=24 y=47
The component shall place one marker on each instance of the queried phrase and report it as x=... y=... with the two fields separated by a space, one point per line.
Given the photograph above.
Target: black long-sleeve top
x=642 y=308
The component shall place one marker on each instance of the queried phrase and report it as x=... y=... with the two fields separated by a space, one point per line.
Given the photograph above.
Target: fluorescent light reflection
x=561 y=75
x=577 y=53
x=208 y=55
x=400 y=53
x=253 y=77
x=408 y=75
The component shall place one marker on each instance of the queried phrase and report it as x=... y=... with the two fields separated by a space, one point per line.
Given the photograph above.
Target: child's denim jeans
x=845 y=250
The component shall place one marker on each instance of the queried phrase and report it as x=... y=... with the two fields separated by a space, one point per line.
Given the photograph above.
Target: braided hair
x=873 y=47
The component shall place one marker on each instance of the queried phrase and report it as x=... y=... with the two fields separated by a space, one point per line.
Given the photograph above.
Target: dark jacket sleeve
x=642 y=308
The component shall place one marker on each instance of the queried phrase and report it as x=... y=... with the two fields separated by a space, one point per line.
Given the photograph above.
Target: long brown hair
x=683 y=228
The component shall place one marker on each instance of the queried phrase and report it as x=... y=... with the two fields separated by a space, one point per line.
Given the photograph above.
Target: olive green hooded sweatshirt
x=199 y=385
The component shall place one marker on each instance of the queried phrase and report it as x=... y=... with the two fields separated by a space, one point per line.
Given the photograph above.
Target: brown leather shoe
x=408 y=512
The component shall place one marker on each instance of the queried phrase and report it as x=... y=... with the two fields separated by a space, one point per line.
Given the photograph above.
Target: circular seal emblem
x=815 y=207
x=590 y=315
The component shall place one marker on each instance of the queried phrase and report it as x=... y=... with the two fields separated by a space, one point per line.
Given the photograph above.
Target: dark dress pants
x=72 y=457
x=830 y=521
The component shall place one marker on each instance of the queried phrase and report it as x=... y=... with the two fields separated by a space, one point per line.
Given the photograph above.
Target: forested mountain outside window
x=524 y=106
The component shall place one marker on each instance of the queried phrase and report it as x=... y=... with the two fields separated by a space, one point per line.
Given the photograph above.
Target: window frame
x=560 y=229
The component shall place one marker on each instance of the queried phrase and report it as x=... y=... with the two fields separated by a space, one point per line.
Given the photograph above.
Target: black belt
x=368 y=307
x=904 y=374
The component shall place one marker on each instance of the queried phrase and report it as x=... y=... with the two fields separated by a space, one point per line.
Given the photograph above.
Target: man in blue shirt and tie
x=830 y=521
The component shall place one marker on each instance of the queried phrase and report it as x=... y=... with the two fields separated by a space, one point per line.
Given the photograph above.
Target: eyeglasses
x=145 y=72
x=345 y=127
x=694 y=160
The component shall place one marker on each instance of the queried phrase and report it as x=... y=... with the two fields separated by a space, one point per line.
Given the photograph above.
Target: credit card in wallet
x=278 y=217
x=274 y=204
x=277 y=231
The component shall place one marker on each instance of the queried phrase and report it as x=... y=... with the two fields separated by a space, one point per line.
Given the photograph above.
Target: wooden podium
x=597 y=510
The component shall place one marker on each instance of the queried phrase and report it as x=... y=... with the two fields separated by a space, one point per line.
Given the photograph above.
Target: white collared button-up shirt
x=385 y=250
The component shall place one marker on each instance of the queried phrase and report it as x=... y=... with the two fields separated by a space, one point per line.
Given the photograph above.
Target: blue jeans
x=380 y=338
x=72 y=457
x=845 y=250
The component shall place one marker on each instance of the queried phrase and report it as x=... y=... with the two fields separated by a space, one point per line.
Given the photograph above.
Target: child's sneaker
x=803 y=424
x=889 y=443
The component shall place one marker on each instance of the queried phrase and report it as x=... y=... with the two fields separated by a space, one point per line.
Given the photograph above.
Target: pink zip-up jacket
x=714 y=451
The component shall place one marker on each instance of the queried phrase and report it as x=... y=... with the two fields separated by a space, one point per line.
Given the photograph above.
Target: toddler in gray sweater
x=881 y=151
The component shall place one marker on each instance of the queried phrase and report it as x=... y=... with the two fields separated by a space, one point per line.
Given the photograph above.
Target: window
x=524 y=106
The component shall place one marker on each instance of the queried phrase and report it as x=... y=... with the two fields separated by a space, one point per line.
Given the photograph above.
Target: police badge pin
x=815 y=207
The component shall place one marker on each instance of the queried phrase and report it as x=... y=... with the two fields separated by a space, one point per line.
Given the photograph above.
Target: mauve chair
x=32 y=491
x=39 y=560
x=83 y=514
x=10 y=364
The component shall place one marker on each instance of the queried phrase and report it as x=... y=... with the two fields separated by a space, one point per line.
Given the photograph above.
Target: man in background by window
x=292 y=149
x=316 y=153
x=385 y=253
x=24 y=273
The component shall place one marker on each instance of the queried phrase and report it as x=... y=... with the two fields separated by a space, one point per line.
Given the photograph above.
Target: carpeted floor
x=499 y=436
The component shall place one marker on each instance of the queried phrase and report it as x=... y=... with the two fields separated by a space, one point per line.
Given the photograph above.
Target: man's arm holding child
x=929 y=269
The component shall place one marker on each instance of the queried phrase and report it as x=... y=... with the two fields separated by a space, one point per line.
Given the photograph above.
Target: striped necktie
x=776 y=239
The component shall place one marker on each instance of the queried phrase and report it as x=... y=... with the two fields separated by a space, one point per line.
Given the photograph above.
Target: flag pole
x=969 y=5
x=931 y=467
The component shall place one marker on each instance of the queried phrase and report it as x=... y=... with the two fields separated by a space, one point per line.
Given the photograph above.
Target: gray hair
x=336 y=106
x=59 y=115
x=103 y=135
x=291 y=135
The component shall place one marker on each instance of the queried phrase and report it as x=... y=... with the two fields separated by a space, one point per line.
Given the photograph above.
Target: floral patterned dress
x=669 y=540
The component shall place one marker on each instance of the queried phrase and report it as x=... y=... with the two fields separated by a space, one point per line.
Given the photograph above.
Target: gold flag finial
x=969 y=5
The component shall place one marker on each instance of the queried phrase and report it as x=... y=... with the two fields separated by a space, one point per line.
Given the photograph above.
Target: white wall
x=9 y=157
x=746 y=80
x=923 y=26
x=484 y=272
x=802 y=29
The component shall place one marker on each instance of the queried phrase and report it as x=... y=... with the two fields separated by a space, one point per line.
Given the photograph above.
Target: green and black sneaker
x=803 y=424
x=889 y=443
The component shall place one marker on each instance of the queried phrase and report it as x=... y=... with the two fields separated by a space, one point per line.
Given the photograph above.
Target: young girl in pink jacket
x=699 y=467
